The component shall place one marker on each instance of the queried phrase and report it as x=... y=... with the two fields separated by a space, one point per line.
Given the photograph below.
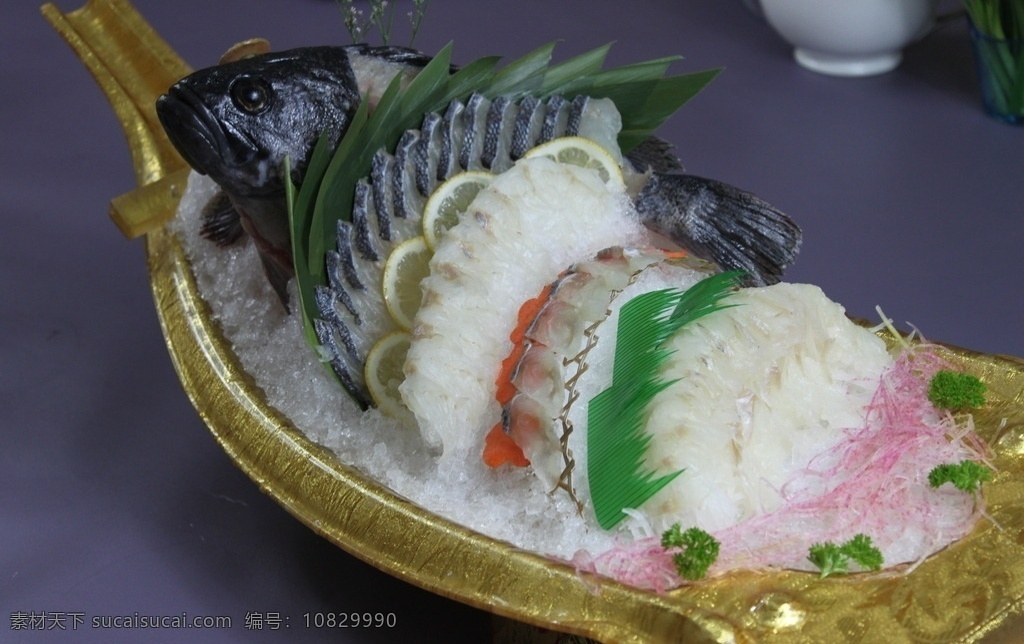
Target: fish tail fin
x=722 y=224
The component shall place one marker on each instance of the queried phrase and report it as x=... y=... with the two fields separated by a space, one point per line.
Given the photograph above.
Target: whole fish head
x=237 y=122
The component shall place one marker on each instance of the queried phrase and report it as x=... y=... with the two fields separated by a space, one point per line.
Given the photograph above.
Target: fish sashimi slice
x=760 y=389
x=478 y=134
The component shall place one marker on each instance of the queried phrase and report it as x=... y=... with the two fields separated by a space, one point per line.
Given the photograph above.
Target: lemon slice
x=405 y=267
x=384 y=374
x=449 y=201
x=576 y=150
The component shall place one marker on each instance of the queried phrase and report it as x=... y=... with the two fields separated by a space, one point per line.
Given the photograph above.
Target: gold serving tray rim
x=414 y=544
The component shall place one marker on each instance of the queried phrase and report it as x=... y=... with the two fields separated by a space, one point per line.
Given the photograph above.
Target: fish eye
x=251 y=95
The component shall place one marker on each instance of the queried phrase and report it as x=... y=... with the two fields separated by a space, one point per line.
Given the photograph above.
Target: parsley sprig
x=698 y=550
x=834 y=559
x=966 y=476
x=956 y=391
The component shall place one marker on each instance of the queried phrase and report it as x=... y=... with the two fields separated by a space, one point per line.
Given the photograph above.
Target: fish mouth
x=205 y=142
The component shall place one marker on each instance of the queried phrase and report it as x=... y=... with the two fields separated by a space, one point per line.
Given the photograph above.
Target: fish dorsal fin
x=245 y=49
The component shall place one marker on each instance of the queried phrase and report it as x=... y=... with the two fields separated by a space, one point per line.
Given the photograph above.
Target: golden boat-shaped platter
x=972 y=591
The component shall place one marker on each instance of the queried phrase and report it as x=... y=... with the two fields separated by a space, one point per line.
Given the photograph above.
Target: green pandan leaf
x=643 y=94
x=522 y=76
x=579 y=67
x=616 y=441
x=300 y=211
x=397 y=111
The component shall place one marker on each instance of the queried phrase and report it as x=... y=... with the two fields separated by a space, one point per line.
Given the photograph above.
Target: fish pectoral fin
x=722 y=224
x=278 y=277
x=221 y=222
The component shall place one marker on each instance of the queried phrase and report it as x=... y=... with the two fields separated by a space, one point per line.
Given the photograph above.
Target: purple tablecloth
x=115 y=499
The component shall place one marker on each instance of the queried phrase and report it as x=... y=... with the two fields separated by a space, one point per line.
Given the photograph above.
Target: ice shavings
x=507 y=505
x=521 y=232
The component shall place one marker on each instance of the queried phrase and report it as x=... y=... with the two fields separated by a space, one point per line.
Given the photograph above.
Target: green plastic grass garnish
x=616 y=441
x=832 y=559
x=956 y=391
x=966 y=476
x=698 y=551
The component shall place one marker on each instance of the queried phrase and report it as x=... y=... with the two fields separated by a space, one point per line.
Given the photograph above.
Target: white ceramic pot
x=849 y=37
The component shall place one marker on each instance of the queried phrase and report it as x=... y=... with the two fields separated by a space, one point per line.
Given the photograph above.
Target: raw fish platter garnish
x=492 y=288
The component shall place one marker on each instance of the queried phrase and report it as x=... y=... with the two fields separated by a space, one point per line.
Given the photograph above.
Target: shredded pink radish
x=874 y=482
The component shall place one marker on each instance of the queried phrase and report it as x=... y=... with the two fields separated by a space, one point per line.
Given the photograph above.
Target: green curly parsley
x=861 y=550
x=829 y=558
x=966 y=476
x=956 y=391
x=835 y=560
x=698 y=551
